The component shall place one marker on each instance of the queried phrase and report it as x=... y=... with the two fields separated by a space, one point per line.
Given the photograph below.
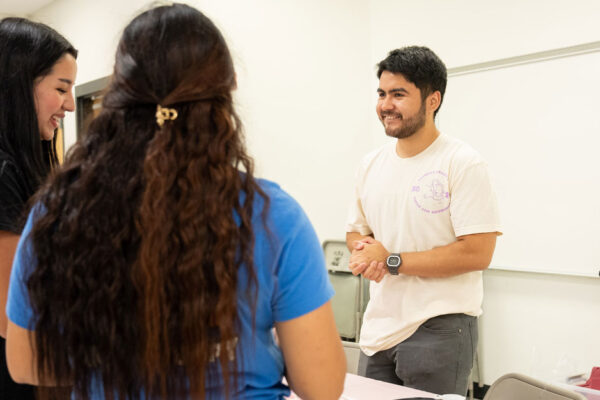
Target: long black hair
x=28 y=50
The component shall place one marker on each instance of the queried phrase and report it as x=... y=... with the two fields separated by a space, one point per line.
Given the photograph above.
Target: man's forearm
x=468 y=253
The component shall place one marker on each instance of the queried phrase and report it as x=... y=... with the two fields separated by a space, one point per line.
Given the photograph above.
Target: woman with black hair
x=155 y=265
x=37 y=71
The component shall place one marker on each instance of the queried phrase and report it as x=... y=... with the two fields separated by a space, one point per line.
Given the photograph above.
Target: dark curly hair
x=142 y=232
x=420 y=66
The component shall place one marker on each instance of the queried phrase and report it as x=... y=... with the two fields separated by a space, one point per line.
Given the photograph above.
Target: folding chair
x=351 y=293
x=520 y=387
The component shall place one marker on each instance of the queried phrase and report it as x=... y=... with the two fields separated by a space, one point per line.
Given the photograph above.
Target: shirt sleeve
x=356 y=221
x=13 y=198
x=18 y=307
x=474 y=208
x=302 y=283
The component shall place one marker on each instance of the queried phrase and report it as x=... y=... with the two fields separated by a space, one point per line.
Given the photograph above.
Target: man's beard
x=409 y=125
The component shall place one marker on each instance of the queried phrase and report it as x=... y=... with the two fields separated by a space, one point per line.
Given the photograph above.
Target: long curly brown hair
x=144 y=228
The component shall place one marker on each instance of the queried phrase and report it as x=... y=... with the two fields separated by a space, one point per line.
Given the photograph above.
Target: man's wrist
x=393 y=262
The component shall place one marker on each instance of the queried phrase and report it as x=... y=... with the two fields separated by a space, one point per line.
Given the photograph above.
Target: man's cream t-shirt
x=416 y=204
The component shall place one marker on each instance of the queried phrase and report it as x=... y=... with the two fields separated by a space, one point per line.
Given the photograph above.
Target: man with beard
x=422 y=226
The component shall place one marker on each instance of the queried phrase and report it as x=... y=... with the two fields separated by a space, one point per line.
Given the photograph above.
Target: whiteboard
x=536 y=121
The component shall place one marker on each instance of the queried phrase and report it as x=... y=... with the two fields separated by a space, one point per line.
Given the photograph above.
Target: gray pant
x=437 y=358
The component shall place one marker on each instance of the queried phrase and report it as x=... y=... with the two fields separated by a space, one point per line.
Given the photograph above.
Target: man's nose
x=386 y=103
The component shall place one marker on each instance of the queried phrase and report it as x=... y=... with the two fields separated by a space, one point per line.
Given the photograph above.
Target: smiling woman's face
x=53 y=94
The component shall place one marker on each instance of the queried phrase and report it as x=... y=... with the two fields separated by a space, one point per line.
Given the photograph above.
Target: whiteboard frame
x=540 y=56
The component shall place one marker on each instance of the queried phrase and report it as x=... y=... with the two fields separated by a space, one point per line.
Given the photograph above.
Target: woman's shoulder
x=283 y=211
x=273 y=190
x=10 y=174
x=9 y=170
x=7 y=163
x=279 y=199
x=13 y=195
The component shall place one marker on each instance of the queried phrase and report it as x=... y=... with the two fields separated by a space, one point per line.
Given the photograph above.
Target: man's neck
x=414 y=144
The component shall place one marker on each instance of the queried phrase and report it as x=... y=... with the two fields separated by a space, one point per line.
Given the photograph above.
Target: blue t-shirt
x=292 y=281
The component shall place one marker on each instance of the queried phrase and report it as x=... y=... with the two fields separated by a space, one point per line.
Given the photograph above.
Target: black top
x=13 y=195
x=13 y=201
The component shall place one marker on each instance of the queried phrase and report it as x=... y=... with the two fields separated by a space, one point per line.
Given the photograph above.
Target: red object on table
x=594 y=381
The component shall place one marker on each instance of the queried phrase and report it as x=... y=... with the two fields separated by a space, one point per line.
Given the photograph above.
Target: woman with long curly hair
x=37 y=72
x=154 y=264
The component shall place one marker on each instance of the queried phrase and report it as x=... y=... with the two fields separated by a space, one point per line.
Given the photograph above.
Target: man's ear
x=434 y=100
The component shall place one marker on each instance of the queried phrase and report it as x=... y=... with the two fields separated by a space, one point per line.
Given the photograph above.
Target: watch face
x=393 y=261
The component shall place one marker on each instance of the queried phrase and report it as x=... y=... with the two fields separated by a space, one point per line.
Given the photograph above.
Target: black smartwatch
x=393 y=262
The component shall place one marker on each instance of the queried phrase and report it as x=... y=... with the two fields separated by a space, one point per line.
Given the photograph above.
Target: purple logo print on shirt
x=430 y=193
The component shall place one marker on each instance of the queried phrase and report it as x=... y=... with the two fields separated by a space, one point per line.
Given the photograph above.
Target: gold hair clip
x=165 y=114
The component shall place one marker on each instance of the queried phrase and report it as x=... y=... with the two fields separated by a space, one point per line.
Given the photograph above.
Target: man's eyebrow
x=395 y=90
x=68 y=81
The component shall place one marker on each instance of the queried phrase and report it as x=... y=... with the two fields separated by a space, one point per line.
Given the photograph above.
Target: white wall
x=2 y=16
x=464 y=32
x=294 y=73
x=307 y=96
x=539 y=324
x=469 y=31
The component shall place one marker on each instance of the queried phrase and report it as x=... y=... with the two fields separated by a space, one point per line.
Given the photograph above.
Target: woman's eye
x=62 y=91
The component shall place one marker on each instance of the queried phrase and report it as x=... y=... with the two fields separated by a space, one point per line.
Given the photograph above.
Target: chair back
x=351 y=292
x=520 y=387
